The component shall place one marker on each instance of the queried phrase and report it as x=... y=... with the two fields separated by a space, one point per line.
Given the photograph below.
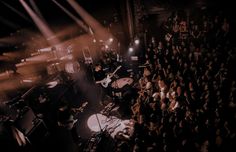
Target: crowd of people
x=183 y=95
x=186 y=93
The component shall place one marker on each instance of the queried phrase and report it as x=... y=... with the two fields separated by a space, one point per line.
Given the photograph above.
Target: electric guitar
x=104 y=82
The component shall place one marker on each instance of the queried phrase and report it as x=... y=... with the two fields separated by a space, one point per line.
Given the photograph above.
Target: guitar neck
x=115 y=71
x=107 y=79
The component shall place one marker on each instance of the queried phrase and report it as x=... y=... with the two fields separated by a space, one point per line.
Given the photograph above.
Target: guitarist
x=105 y=81
x=99 y=74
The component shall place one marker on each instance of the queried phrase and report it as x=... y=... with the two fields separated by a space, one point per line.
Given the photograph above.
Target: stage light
x=106 y=46
x=27 y=81
x=48 y=49
x=94 y=40
x=76 y=19
x=111 y=39
x=131 y=49
x=136 y=41
x=100 y=31
x=41 y=24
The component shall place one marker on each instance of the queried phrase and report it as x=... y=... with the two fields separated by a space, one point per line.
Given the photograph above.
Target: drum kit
x=117 y=85
x=70 y=67
x=105 y=120
x=113 y=125
x=121 y=86
x=120 y=83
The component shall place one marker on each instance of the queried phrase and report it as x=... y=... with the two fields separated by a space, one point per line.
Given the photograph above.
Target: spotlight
x=106 y=46
x=110 y=39
x=94 y=40
x=131 y=49
x=27 y=81
x=136 y=41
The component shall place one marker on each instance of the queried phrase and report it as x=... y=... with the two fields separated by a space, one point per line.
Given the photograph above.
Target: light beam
x=78 y=21
x=93 y=23
x=43 y=27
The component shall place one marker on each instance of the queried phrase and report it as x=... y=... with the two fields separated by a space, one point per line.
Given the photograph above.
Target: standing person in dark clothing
x=99 y=74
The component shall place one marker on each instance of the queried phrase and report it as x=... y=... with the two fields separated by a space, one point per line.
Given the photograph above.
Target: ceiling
x=10 y=20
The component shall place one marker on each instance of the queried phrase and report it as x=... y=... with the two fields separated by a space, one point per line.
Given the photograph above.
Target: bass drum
x=112 y=124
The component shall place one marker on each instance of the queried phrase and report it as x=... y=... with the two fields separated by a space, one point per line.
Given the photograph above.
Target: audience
x=184 y=98
x=186 y=102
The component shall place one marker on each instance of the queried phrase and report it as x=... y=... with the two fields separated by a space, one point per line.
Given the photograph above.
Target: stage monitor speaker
x=25 y=120
x=32 y=127
x=38 y=132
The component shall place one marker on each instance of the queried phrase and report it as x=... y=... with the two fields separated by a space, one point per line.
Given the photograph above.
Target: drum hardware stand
x=107 y=109
x=100 y=127
x=116 y=85
x=91 y=67
x=112 y=129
